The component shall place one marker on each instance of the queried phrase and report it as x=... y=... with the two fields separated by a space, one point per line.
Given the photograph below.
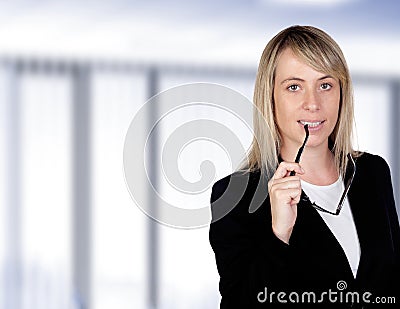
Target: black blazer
x=252 y=262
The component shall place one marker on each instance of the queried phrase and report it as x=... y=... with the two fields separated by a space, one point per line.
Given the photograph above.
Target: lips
x=312 y=123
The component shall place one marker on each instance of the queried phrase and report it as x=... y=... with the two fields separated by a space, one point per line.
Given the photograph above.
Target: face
x=304 y=96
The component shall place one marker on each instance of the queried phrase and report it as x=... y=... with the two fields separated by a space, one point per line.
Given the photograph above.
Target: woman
x=327 y=235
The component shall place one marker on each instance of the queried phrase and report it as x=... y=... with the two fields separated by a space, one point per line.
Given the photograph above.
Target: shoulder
x=233 y=182
x=238 y=193
x=372 y=171
x=371 y=162
x=366 y=157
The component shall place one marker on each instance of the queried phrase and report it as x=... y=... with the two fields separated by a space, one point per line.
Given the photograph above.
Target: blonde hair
x=323 y=54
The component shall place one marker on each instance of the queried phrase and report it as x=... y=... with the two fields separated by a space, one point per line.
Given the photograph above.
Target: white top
x=342 y=226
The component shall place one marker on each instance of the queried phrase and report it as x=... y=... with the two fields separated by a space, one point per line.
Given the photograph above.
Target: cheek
x=282 y=106
x=334 y=106
x=280 y=112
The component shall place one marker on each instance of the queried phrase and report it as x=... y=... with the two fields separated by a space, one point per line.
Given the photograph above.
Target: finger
x=287 y=195
x=294 y=193
x=290 y=182
x=296 y=200
x=285 y=168
x=275 y=184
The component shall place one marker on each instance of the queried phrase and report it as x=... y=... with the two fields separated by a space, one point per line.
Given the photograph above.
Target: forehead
x=290 y=65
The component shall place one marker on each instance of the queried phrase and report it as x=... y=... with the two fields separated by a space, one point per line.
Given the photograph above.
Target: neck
x=317 y=162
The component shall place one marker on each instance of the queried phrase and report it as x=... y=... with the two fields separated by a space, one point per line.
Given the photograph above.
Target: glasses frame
x=348 y=180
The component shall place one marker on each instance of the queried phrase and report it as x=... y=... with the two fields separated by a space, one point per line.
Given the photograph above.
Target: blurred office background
x=72 y=76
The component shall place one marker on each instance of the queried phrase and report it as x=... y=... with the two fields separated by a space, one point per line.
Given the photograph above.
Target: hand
x=284 y=194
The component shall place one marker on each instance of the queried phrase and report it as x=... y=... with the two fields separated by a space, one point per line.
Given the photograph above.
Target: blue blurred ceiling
x=360 y=16
x=357 y=16
x=207 y=30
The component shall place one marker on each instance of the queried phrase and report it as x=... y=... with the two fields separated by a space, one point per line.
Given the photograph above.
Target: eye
x=326 y=86
x=293 y=88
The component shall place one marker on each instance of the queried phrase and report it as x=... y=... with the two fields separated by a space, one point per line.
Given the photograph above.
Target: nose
x=311 y=101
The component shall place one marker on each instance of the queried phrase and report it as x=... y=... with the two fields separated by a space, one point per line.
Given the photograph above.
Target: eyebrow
x=302 y=80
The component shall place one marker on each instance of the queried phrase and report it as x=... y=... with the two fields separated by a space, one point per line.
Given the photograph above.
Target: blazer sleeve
x=391 y=210
x=249 y=259
x=394 y=228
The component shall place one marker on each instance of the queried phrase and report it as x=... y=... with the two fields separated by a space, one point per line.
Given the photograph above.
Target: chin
x=316 y=143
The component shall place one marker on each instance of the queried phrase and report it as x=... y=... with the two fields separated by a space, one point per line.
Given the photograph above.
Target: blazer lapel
x=361 y=202
x=314 y=241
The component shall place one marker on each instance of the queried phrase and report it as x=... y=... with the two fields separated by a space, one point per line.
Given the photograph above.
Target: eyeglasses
x=351 y=170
